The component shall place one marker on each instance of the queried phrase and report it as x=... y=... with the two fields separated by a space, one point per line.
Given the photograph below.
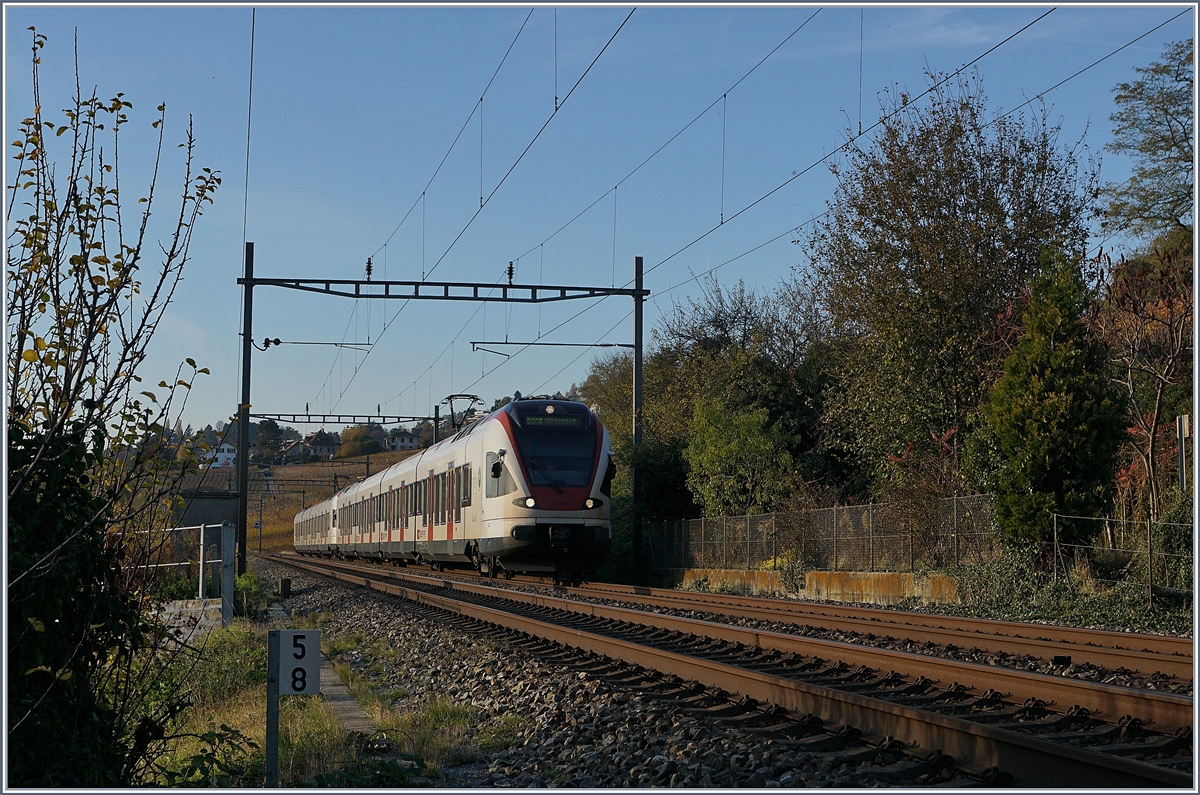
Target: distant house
x=297 y=450
x=224 y=454
x=401 y=439
x=322 y=443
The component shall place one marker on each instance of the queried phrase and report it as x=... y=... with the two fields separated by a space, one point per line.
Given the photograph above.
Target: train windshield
x=557 y=443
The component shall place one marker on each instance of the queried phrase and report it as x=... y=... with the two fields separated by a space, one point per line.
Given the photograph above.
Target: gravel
x=571 y=729
x=1023 y=662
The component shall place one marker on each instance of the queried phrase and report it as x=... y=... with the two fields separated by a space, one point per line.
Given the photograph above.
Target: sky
x=354 y=109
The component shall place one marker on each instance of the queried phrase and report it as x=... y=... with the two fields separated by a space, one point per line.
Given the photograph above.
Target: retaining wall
x=871 y=587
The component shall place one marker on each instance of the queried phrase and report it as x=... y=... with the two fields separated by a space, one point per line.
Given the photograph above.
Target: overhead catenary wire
x=490 y=195
x=529 y=146
x=453 y=143
x=794 y=229
x=850 y=141
x=422 y=198
x=680 y=132
x=696 y=276
x=760 y=199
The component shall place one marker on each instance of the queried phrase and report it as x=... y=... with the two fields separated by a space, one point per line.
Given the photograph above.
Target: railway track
x=1115 y=651
x=1042 y=730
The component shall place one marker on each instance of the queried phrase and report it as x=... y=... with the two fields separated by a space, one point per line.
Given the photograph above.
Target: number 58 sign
x=293 y=669
x=299 y=654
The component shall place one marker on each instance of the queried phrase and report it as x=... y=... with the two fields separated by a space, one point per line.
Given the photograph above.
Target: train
x=524 y=490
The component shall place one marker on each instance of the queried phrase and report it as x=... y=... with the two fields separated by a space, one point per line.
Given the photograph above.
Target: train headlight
x=592 y=502
x=525 y=502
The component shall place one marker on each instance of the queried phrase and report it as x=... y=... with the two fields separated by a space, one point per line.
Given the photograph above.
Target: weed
x=438 y=732
x=221 y=761
x=503 y=731
x=249 y=596
x=345 y=643
x=1017 y=587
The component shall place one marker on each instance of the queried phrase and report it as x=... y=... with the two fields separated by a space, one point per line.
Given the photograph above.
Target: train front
x=557 y=511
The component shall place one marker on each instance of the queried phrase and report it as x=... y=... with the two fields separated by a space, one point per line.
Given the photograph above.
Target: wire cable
x=530 y=144
x=681 y=131
x=775 y=190
x=442 y=162
x=850 y=141
x=489 y=198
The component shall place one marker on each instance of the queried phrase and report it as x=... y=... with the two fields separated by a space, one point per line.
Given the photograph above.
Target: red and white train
x=525 y=489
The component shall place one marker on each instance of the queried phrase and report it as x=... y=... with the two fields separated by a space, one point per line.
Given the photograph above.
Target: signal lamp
x=592 y=502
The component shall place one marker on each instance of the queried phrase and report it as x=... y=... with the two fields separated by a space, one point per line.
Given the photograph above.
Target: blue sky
x=353 y=108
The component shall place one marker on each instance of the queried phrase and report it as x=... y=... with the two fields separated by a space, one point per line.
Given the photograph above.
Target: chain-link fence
x=883 y=537
x=1156 y=554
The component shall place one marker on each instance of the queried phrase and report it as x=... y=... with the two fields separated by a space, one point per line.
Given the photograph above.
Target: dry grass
x=230 y=689
x=307 y=484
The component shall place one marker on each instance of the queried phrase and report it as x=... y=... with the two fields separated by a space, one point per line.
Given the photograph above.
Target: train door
x=427 y=514
x=451 y=497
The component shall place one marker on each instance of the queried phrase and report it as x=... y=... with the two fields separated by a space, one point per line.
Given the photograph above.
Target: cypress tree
x=1055 y=416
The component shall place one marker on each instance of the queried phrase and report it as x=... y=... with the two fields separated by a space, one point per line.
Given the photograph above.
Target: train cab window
x=499 y=479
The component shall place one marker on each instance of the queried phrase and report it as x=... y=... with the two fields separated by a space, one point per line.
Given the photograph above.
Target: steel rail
x=1147 y=662
x=1134 y=641
x=1165 y=711
x=1032 y=761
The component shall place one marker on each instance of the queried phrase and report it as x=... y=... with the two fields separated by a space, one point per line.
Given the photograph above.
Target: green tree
x=1054 y=416
x=89 y=704
x=932 y=235
x=360 y=440
x=268 y=439
x=1146 y=318
x=1153 y=125
x=738 y=462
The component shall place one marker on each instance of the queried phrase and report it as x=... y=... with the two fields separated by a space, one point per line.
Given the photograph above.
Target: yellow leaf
x=39 y=343
x=30 y=356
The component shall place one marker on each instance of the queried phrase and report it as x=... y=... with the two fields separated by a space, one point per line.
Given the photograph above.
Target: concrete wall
x=876 y=587
x=208 y=507
x=193 y=618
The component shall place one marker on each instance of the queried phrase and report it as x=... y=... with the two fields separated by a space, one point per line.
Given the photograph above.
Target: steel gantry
x=425 y=291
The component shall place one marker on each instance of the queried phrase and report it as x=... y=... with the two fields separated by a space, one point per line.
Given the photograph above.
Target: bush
x=1016 y=587
x=249 y=595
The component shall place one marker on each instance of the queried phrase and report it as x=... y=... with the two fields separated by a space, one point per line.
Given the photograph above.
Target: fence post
x=911 y=561
x=1150 y=562
x=748 y=542
x=774 y=543
x=724 y=543
x=200 y=595
x=955 y=529
x=871 y=532
x=1055 y=553
x=228 y=569
x=835 y=539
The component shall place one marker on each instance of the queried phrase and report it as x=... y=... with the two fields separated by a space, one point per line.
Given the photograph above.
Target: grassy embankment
x=316 y=481
x=223 y=734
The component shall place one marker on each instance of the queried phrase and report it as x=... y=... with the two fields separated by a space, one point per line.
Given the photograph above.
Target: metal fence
x=874 y=537
x=1154 y=554
x=194 y=551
